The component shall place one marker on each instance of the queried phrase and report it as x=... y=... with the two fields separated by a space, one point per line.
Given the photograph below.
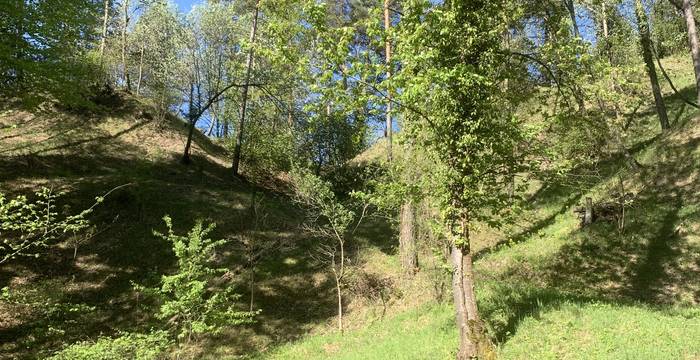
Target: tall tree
x=125 y=26
x=387 y=57
x=693 y=42
x=645 y=41
x=103 y=39
x=450 y=79
x=244 y=91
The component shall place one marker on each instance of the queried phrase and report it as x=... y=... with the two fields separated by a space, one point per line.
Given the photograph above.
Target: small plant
x=126 y=346
x=26 y=226
x=190 y=304
x=329 y=220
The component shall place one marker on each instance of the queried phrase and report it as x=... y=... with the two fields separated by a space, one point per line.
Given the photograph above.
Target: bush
x=188 y=301
x=126 y=346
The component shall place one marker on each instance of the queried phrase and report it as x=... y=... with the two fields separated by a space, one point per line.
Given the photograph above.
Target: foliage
x=27 y=226
x=126 y=345
x=327 y=214
x=190 y=305
x=43 y=49
x=454 y=83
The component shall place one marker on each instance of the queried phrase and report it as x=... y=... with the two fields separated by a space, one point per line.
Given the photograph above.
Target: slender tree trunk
x=244 y=95
x=389 y=124
x=645 y=39
x=191 y=120
x=407 y=239
x=604 y=20
x=693 y=42
x=138 y=83
x=124 y=45
x=572 y=13
x=104 y=30
x=340 y=304
x=252 y=287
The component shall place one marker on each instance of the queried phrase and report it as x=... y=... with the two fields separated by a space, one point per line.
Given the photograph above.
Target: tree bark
x=467 y=347
x=340 y=304
x=138 y=83
x=407 y=239
x=693 y=42
x=104 y=29
x=389 y=124
x=124 y=45
x=244 y=93
x=191 y=122
x=572 y=13
x=645 y=40
x=252 y=286
x=605 y=20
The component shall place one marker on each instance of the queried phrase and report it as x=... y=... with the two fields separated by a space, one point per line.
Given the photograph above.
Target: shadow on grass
x=653 y=262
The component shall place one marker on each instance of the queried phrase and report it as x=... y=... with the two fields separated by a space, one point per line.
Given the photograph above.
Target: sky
x=186 y=5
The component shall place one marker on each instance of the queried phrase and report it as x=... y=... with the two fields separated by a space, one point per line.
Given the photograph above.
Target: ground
x=547 y=288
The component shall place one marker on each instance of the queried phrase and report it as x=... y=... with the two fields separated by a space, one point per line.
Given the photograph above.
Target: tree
x=244 y=91
x=645 y=41
x=693 y=42
x=450 y=56
x=125 y=25
x=329 y=220
x=387 y=57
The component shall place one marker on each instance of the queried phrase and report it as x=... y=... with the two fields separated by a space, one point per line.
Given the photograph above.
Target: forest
x=349 y=179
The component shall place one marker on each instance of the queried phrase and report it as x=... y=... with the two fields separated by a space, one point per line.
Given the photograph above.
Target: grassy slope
x=88 y=153
x=552 y=291
x=555 y=291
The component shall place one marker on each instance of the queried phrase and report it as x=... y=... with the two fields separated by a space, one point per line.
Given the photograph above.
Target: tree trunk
x=244 y=95
x=340 y=304
x=604 y=20
x=252 y=286
x=693 y=42
x=572 y=13
x=126 y=79
x=389 y=128
x=645 y=39
x=588 y=215
x=138 y=83
x=407 y=239
x=191 y=114
x=104 y=30
x=467 y=347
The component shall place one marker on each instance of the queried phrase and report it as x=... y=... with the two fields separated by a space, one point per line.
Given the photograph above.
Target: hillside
x=56 y=300
x=546 y=287
x=549 y=289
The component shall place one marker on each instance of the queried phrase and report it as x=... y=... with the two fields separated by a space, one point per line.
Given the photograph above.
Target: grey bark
x=693 y=42
x=572 y=13
x=244 y=93
x=389 y=123
x=407 y=239
x=645 y=40
x=104 y=29
x=124 y=45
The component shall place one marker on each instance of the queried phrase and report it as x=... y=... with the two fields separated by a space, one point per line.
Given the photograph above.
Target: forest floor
x=546 y=287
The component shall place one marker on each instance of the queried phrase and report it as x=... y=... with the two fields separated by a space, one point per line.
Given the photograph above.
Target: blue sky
x=186 y=5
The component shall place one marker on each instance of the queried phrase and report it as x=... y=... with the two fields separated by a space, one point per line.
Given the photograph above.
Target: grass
x=546 y=288
x=550 y=290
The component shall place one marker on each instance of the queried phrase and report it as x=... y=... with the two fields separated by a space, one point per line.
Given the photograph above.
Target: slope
x=56 y=299
x=550 y=289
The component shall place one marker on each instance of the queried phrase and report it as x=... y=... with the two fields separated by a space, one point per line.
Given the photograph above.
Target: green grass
x=427 y=332
x=550 y=290
x=546 y=289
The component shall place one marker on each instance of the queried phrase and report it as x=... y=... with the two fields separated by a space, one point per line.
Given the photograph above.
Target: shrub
x=189 y=303
x=126 y=346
